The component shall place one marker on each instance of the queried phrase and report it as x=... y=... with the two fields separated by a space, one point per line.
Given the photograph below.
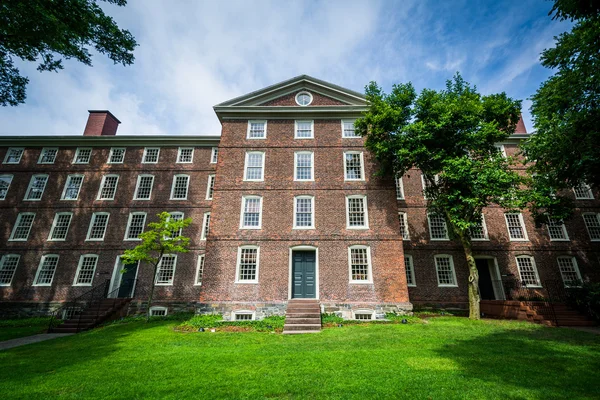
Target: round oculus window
x=303 y=98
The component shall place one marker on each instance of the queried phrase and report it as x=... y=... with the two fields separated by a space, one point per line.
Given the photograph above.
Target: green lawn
x=449 y=357
x=16 y=328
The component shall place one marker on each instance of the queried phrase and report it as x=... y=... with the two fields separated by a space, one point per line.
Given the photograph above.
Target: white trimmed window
x=48 y=155
x=304 y=212
x=98 y=225
x=158 y=311
x=22 y=227
x=86 y=270
x=108 y=187
x=528 y=271
x=151 y=155
x=438 y=230
x=592 y=223
x=304 y=130
x=185 y=155
x=214 y=155
x=357 y=216
x=303 y=98
x=304 y=166
x=348 y=130
x=501 y=149
x=557 y=230
x=175 y=216
x=403 y=219
x=363 y=315
x=72 y=187
x=82 y=155
x=243 y=315
x=210 y=187
x=359 y=260
x=516 y=226
x=254 y=166
x=583 y=192
x=353 y=166
x=444 y=267
x=247 y=265
x=251 y=212
x=399 y=188
x=46 y=270
x=116 y=155
x=199 y=270
x=60 y=226
x=410 y=271
x=135 y=225
x=179 y=190
x=36 y=188
x=569 y=271
x=205 y=226
x=13 y=155
x=5 y=181
x=425 y=184
x=8 y=266
x=143 y=189
x=166 y=270
x=479 y=232
x=257 y=130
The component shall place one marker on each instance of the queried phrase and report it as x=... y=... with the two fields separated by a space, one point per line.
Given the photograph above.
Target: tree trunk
x=474 y=311
x=152 y=290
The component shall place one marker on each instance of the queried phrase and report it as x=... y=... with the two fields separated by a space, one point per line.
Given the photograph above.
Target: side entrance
x=304 y=272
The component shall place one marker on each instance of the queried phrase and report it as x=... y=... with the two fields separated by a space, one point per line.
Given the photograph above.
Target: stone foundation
x=10 y=310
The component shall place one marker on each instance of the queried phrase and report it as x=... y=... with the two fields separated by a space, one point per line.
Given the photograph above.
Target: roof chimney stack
x=101 y=123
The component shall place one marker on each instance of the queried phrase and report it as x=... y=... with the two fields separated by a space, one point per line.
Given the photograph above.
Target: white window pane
x=248 y=264
x=86 y=270
x=72 y=187
x=108 y=187
x=356 y=212
x=5 y=181
x=359 y=264
x=8 y=266
x=180 y=187
x=527 y=271
x=144 y=190
x=437 y=226
x=353 y=166
x=445 y=271
x=515 y=227
x=592 y=222
x=47 y=270
x=304 y=212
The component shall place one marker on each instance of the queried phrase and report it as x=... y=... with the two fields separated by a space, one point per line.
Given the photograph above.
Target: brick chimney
x=101 y=123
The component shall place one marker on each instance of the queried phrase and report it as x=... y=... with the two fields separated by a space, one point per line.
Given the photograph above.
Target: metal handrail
x=79 y=304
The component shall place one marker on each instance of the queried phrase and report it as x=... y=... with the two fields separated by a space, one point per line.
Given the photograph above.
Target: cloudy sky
x=195 y=54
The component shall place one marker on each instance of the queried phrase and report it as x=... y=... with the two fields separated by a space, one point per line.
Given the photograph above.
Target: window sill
x=480 y=240
x=361 y=282
x=42 y=284
x=17 y=240
x=181 y=199
x=303 y=228
x=411 y=285
x=250 y=228
x=99 y=240
x=32 y=199
x=254 y=180
x=448 y=286
x=304 y=180
x=246 y=282
x=354 y=180
x=163 y=284
x=439 y=240
x=256 y=138
x=132 y=240
x=357 y=228
x=82 y=285
x=57 y=240
x=4 y=284
x=141 y=199
x=519 y=240
x=560 y=240
x=532 y=286
x=155 y=162
x=303 y=138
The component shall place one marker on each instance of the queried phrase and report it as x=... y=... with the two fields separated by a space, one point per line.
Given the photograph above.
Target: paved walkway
x=9 y=344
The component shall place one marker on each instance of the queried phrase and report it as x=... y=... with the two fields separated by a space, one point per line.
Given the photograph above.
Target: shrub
x=586 y=299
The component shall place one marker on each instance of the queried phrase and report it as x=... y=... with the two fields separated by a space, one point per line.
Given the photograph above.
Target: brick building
x=285 y=204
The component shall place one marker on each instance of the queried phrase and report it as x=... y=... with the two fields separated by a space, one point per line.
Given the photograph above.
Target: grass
x=447 y=357
x=16 y=328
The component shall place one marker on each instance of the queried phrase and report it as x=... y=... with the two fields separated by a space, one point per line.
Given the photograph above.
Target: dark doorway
x=127 y=283
x=304 y=274
x=486 y=288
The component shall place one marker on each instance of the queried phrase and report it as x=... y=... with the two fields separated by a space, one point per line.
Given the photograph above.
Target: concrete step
x=303 y=315
x=302 y=327
x=298 y=332
x=294 y=321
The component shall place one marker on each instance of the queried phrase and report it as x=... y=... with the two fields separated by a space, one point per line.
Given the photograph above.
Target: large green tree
x=449 y=135
x=45 y=30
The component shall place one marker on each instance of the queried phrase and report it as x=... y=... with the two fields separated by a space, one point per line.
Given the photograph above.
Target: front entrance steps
x=302 y=316
x=92 y=316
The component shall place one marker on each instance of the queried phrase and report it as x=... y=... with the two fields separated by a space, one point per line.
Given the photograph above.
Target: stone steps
x=302 y=316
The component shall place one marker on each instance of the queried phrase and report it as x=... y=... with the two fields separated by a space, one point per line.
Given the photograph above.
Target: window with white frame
x=399 y=188
x=150 y=155
x=199 y=270
x=403 y=219
x=304 y=130
x=185 y=155
x=348 y=130
x=247 y=266
x=528 y=271
x=108 y=187
x=303 y=166
x=72 y=187
x=8 y=266
x=359 y=258
x=501 y=149
x=166 y=270
x=353 y=166
x=303 y=98
x=364 y=315
x=304 y=216
x=427 y=185
x=214 y=155
x=356 y=212
x=516 y=226
x=86 y=270
x=557 y=230
x=22 y=227
x=98 y=225
x=210 y=187
x=569 y=271
x=46 y=270
x=48 y=155
x=205 y=226
x=257 y=130
x=444 y=266
x=251 y=212
x=255 y=162
x=583 y=192
x=438 y=230
x=36 y=187
x=592 y=223
x=176 y=216
x=479 y=231
x=179 y=190
x=5 y=181
x=243 y=316
x=116 y=155
x=60 y=226
x=13 y=155
x=410 y=271
x=143 y=189
x=158 y=311
x=135 y=225
x=82 y=155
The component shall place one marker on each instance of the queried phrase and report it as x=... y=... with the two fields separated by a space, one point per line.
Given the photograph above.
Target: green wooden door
x=304 y=275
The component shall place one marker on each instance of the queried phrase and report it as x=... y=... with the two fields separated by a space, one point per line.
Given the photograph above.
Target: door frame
x=300 y=248
x=494 y=275
x=117 y=275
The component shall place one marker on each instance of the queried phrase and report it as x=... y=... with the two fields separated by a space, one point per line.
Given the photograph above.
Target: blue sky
x=194 y=54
